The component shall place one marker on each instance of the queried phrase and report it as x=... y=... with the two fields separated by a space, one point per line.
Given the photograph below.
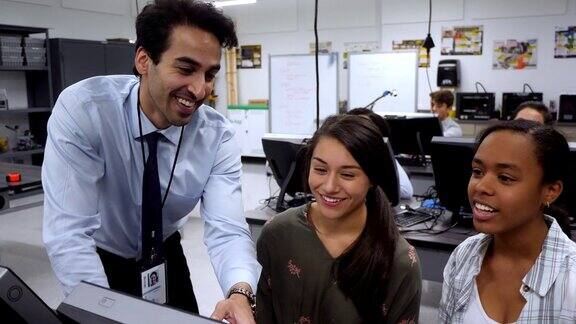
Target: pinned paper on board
x=249 y=57
x=565 y=42
x=513 y=54
x=462 y=40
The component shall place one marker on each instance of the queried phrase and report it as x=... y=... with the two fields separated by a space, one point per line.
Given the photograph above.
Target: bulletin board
x=293 y=92
x=370 y=74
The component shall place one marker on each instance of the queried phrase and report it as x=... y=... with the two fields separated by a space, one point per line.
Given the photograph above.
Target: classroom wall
x=79 y=19
x=284 y=27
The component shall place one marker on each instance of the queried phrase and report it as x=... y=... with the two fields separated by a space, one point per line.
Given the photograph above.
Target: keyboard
x=408 y=218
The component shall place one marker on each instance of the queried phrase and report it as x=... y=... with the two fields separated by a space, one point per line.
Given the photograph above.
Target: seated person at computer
x=441 y=104
x=406 y=190
x=339 y=259
x=522 y=267
x=533 y=110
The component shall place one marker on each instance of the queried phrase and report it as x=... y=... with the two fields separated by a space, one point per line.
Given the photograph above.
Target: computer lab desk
x=433 y=249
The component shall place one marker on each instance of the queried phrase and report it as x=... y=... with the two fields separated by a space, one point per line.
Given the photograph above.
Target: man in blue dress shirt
x=93 y=164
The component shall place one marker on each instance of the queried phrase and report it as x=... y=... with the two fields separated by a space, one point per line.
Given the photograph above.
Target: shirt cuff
x=240 y=275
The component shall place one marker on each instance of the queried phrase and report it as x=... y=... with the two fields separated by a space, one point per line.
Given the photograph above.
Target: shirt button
x=525 y=288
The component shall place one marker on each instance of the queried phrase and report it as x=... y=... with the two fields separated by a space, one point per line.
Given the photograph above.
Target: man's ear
x=141 y=60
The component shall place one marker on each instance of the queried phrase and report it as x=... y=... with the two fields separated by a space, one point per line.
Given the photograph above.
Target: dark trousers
x=124 y=275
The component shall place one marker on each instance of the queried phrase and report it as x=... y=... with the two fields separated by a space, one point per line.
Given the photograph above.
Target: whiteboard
x=370 y=74
x=293 y=92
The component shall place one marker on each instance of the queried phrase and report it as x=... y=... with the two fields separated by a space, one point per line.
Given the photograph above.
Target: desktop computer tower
x=567 y=108
x=475 y=105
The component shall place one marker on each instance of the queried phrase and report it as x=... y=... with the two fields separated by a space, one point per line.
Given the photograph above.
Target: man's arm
x=226 y=232
x=70 y=173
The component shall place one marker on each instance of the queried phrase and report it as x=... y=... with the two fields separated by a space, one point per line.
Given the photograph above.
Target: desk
x=31 y=180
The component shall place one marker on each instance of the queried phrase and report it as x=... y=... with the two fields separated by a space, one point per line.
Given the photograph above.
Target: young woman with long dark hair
x=340 y=258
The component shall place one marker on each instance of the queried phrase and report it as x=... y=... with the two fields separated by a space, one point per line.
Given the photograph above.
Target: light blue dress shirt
x=92 y=177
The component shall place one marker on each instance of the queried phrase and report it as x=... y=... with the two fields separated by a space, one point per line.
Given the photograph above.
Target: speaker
x=447 y=73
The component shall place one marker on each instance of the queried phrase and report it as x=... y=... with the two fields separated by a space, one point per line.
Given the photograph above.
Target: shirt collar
x=477 y=253
x=171 y=133
x=545 y=270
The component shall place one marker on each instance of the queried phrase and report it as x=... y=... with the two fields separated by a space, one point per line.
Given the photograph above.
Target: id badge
x=154 y=284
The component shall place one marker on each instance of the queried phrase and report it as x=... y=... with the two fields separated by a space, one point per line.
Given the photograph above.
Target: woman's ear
x=552 y=191
x=141 y=60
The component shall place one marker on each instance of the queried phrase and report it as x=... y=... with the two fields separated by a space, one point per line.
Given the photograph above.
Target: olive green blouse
x=296 y=285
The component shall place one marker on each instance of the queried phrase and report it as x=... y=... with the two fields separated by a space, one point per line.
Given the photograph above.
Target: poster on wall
x=564 y=44
x=462 y=40
x=323 y=47
x=413 y=44
x=249 y=57
x=358 y=47
x=513 y=54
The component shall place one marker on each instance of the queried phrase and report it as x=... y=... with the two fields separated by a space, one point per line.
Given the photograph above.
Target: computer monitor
x=452 y=167
x=475 y=105
x=511 y=101
x=285 y=155
x=19 y=304
x=412 y=136
x=89 y=303
x=567 y=108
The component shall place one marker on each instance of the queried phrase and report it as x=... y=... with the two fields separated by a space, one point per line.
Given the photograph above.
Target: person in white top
x=441 y=104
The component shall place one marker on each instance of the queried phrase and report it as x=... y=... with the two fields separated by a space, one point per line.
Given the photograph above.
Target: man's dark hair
x=157 y=20
x=443 y=97
x=539 y=107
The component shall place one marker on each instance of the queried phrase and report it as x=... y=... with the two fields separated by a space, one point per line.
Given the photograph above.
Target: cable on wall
x=526 y=85
x=428 y=44
x=317 y=69
x=481 y=85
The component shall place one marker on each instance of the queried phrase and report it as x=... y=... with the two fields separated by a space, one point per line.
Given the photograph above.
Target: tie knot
x=152 y=138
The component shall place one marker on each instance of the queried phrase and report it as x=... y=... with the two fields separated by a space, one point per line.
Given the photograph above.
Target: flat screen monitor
x=452 y=167
x=89 y=303
x=567 y=108
x=19 y=304
x=475 y=105
x=511 y=101
x=285 y=156
x=413 y=135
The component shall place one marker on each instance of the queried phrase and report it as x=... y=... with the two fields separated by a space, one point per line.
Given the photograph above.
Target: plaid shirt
x=549 y=287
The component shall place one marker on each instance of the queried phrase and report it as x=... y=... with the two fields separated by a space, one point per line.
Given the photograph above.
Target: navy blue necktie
x=152 y=236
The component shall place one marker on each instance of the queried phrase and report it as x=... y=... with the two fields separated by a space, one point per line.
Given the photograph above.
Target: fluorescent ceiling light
x=225 y=3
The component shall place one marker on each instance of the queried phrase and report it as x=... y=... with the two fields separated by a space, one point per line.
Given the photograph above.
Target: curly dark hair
x=157 y=20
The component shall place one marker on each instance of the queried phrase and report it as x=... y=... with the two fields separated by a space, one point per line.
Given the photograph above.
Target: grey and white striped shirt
x=549 y=287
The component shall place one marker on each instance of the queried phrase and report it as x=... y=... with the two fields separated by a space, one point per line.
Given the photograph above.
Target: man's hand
x=236 y=310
